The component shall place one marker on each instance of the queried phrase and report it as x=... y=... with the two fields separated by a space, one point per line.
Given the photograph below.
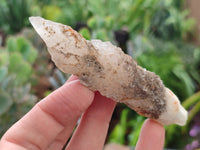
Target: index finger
x=152 y=136
x=48 y=118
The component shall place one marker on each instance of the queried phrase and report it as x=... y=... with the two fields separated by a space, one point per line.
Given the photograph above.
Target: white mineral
x=103 y=67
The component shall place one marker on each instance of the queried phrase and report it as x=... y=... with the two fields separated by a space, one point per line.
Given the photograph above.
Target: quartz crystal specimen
x=104 y=67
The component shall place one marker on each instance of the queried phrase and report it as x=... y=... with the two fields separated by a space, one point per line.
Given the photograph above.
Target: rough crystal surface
x=104 y=67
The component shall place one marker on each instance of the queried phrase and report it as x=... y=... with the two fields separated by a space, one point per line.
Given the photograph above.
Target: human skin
x=51 y=122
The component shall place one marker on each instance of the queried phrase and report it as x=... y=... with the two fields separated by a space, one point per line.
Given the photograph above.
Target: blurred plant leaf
x=191 y=100
x=14 y=14
x=4 y=58
x=5 y=102
x=163 y=59
x=136 y=125
x=85 y=33
x=26 y=49
x=3 y=72
x=23 y=46
x=11 y=44
x=92 y=22
x=22 y=68
x=96 y=7
x=119 y=132
x=51 y=12
x=185 y=79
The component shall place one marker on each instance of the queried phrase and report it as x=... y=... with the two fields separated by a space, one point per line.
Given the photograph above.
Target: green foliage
x=14 y=14
x=4 y=57
x=68 y=12
x=3 y=73
x=16 y=62
x=191 y=58
x=101 y=27
x=74 y=11
x=136 y=126
x=22 y=68
x=85 y=33
x=92 y=22
x=20 y=55
x=192 y=103
x=5 y=102
x=119 y=132
x=170 y=22
x=51 y=12
x=23 y=46
x=15 y=101
x=158 y=30
x=174 y=132
x=161 y=18
x=163 y=59
x=189 y=102
x=144 y=9
x=127 y=130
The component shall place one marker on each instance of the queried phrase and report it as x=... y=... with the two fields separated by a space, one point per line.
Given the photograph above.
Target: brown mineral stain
x=125 y=98
x=114 y=71
x=50 y=30
x=176 y=106
x=141 y=114
x=73 y=33
x=91 y=61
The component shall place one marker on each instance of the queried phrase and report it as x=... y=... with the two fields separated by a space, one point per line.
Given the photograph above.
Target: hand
x=51 y=122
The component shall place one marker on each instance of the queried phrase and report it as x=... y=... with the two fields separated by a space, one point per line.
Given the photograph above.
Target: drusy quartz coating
x=104 y=67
